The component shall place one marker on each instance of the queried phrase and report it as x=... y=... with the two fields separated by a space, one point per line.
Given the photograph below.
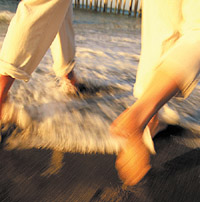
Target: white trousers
x=37 y=25
x=170 y=43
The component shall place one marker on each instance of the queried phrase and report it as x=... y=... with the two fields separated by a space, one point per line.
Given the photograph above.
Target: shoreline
x=30 y=175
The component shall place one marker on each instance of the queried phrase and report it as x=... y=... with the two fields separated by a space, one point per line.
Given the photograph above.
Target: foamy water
x=107 y=55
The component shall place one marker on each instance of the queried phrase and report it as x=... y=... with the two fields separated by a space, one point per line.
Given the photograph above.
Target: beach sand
x=44 y=175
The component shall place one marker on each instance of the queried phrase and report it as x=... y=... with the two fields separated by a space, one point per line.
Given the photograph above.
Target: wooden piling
x=95 y=5
x=111 y=3
x=100 y=5
x=119 y=6
x=105 y=5
x=124 y=6
x=140 y=9
x=130 y=6
x=90 y=4
x=135 y=8
x=86 y=4
x=115 y=6
x=82 y=4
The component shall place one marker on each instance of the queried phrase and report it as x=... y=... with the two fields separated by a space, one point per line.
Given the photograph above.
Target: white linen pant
x=170 y=43
x=36 y=24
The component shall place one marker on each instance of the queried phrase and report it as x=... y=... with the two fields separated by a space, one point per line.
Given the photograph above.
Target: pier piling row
x=124 y=7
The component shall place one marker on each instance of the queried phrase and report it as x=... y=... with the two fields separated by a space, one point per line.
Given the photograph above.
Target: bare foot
x=5 y=84
x=71 y=77
x=72 y=86
x=133 y=160
x=69 y=84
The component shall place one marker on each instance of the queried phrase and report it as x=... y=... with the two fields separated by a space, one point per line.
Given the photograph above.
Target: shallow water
x=107 y=55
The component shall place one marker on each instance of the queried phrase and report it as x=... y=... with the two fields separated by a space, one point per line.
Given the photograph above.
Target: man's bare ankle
x=71 y=77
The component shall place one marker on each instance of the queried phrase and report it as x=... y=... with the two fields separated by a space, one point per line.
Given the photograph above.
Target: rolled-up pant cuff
x=10 y=70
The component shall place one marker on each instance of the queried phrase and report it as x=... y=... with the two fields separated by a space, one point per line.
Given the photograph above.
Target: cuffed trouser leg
x=170 y=44
x=182 y=62
x=63 y=46
x=30 y=34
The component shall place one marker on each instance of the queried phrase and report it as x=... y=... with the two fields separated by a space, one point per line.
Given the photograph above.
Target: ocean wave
x=106 y=61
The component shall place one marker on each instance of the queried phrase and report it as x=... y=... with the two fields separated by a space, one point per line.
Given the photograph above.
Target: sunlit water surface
x=107 y=55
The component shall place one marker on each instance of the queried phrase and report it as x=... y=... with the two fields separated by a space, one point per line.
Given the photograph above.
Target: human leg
x=30 y=34
x=63 y=53
x=159 y=33
x=133 y=161
x=5 y=84
x=63 y=46
x=171 y=77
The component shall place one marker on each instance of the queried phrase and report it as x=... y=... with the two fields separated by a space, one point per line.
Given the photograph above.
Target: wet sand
x=44 y=175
